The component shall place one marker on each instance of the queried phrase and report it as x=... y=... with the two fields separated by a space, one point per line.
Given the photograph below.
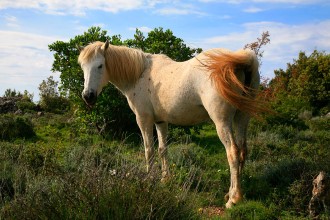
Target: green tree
x=163 y=42
x=304 y=85
x=111 y=111
x=48 y=88
x=12 y=93
x=50 y=99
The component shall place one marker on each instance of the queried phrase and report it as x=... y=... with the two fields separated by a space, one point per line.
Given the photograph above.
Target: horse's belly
x=188 y=116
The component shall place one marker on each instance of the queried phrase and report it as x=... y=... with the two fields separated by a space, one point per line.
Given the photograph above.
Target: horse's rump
x=224 y=67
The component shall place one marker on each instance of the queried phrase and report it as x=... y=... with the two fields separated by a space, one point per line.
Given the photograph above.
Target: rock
x=320 y=200
x=19 y=112
x=40 y=113
x=8 y=104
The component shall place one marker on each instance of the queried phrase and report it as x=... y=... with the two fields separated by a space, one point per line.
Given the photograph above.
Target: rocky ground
x=8 y=104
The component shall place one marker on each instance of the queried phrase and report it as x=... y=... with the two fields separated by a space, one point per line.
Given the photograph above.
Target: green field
x=61 y=171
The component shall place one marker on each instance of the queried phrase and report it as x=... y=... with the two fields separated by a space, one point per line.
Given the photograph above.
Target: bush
x=15 y=127
x=56 y=104
x=102 y=182
x=250 y=210
x=319 y=123
x=26 y=105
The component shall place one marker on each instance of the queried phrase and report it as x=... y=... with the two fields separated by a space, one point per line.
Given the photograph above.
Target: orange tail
x=224 y=66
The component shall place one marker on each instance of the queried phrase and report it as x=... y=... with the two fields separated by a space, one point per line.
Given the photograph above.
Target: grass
x=65 y=171
x=98 y=182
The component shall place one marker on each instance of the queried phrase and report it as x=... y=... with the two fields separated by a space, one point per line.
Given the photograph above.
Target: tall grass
x=66 y=173
x=99 y=182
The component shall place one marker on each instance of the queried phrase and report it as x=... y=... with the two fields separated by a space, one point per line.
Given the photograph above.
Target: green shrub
x=100 y=182
x=12 y=127
x=26 y=105
x=56 y=104
x=250 y=210
x=305 y=115
x=319 y=123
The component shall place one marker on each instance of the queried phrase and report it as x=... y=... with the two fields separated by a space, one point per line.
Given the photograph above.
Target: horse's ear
x=79 y=48
x=106 y=45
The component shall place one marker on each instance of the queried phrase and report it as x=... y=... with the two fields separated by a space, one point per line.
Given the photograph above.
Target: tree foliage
x=111 y=110
x=304 y=85
x=48 y=88
x=159 y=41
x=12 y=127
x=13 y=93
x=258 y=44
x=50 y=99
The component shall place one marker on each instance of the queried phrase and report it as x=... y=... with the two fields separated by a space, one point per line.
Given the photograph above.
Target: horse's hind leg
x=145 y=124
x=225 y=133
x=241 y=121
x=223 y=122
x=162 y=129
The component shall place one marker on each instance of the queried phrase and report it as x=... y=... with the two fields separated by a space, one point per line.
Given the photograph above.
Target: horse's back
x=180 y=92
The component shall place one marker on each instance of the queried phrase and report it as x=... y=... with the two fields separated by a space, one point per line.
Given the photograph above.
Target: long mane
x=124 y=65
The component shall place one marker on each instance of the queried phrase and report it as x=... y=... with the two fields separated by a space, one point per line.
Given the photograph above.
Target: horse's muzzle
x=90 y=97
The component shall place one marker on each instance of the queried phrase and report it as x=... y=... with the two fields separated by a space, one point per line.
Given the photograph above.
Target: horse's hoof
x=165 y=179
x=230 y=204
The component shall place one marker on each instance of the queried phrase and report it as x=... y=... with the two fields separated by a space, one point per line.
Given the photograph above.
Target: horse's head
x=92 y=61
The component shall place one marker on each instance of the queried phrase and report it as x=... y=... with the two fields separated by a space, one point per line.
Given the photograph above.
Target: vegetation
x=58 y=166
x=301 y=91
x=15 y=127
x=50 y=99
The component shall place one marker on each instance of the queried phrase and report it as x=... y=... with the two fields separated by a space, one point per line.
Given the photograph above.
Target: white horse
x=216 y=84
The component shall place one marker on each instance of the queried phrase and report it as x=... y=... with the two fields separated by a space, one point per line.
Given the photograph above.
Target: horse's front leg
x=162 y=129
x=145 y=123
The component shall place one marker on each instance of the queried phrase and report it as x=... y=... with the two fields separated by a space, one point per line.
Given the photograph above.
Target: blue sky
x=27 y=27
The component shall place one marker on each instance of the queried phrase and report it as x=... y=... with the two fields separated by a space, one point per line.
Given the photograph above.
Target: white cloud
x=177 y=8
x=173 y=11
x=253 y=10
x=27 y=58
x=79 y=8
x=286 y=41
x=292 y=1
x=76 y=7
x=11 y=21
x=268 y=1
x=143 y=29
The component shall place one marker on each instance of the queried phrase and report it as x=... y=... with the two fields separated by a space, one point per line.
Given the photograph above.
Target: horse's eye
x=100 y=66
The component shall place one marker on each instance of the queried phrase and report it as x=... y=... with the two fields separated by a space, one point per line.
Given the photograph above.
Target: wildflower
x=113 y=172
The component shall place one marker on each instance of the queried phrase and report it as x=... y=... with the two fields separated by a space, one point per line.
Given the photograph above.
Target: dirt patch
x=213 y=211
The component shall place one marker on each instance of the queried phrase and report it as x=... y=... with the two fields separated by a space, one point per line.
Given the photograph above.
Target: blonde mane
x=123 y=65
